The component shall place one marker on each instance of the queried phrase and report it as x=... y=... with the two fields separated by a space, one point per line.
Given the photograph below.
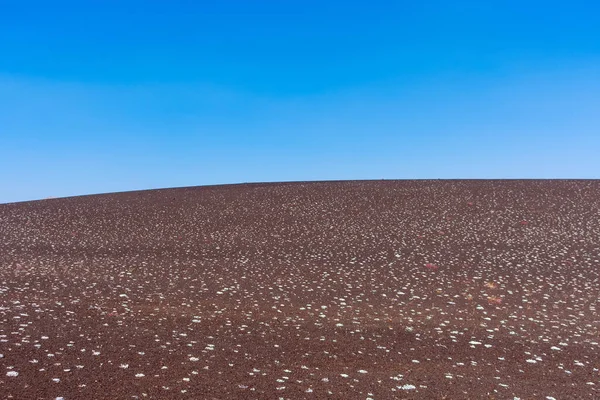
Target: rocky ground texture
x=326 y=290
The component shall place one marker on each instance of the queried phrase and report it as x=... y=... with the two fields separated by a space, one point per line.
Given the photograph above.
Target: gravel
x=338 y=290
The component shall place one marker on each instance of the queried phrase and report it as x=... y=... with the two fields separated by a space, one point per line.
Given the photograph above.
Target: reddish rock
x=304 y=290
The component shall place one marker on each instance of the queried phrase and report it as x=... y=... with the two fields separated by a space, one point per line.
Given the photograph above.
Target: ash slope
x=337 y=290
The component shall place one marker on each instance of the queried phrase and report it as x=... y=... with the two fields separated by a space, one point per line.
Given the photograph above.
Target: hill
x=337 y=290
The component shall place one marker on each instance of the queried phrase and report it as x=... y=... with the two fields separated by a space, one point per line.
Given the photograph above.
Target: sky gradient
x=104 y=96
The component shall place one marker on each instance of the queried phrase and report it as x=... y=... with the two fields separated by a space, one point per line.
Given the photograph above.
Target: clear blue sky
x=101 y=96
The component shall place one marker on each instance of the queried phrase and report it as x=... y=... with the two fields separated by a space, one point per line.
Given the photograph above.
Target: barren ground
x=331 y=290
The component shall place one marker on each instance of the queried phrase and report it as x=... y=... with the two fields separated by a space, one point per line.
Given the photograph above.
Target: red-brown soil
x=329 y=290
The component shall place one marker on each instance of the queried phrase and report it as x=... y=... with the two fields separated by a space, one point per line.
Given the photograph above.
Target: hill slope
x=340 y=290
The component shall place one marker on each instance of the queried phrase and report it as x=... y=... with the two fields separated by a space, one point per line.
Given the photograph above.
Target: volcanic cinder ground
x=329 y=290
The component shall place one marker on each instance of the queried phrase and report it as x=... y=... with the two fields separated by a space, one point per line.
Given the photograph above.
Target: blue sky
x=103 y=96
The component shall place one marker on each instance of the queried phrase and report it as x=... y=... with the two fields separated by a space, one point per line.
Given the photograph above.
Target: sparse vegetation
x=388 y=289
